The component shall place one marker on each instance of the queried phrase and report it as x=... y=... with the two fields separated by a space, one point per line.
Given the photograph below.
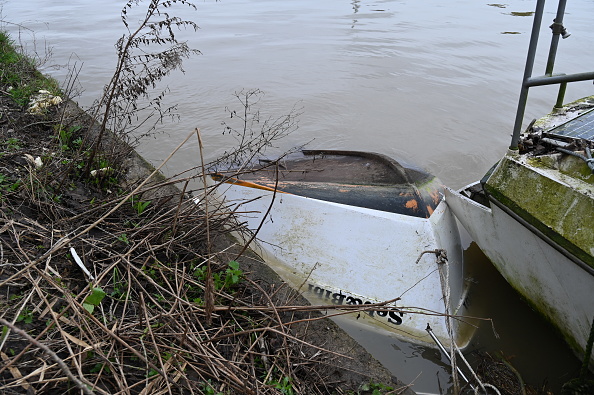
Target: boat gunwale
x=548 y=235
x=417 y=193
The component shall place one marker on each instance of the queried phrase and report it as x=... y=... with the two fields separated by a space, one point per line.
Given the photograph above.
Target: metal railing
x=548 y=78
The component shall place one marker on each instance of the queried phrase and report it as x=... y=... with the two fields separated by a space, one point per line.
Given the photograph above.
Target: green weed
x=94 y=299
x=65 y=137
x=12 y=144
x=150 y=271
x=198 y=301
x=14 y=186
x=375 y=388
x=103 y=173
x=4 y=333
x=208 y=389
x=232 y=274
x=139 y=205
x=101 y=367
x=119 y=287
x=20 y=74
x=227 y=279
x=25 y=317
x=283 y=385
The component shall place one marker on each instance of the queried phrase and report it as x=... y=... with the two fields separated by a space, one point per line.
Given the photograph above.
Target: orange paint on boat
x=235 y=181
x=412 y=204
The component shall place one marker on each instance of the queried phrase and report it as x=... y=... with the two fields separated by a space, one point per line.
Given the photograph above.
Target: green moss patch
x=558 y=211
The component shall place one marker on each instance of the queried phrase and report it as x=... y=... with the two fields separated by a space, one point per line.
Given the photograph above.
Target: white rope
x=444 y=277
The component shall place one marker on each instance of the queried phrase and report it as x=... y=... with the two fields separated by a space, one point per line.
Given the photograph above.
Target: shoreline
x=47 y=201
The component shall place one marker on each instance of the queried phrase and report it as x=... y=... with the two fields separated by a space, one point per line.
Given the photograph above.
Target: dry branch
x=51 y=354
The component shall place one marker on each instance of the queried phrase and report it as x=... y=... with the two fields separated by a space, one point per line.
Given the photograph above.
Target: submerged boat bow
x=355 y=228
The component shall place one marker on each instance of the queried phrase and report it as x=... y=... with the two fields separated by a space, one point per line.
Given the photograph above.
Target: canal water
x=429 y=82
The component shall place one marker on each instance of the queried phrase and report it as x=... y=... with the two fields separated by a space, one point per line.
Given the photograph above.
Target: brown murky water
x=517 y=334
x=430 y=82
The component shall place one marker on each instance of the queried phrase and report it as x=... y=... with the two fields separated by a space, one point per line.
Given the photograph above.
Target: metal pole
x=558 y=79
x=527 y=74
x=561 y=95
x=557 y=27
x=443 y=350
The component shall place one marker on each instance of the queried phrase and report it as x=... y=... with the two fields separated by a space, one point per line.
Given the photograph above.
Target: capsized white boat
x=532 y=213
x=353 y=228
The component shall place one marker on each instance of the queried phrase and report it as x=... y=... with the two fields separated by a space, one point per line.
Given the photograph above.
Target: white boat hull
x=553 y=284
x=352 y=255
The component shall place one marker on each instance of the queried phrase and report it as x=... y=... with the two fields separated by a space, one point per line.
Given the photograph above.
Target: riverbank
x=111 y=281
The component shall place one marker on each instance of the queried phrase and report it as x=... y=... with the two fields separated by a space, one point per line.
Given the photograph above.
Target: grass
x=20 y=75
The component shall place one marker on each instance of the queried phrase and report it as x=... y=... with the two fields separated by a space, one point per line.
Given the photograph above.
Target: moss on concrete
x=547 y=203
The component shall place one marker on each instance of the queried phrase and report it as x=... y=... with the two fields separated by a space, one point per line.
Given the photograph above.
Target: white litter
x=37 y=162
x=80 y=263
x=42 y=101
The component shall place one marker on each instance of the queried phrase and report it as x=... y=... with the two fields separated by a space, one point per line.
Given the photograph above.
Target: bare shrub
x=129 y=100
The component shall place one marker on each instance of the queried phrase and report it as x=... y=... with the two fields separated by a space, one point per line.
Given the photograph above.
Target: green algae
x=557 y=210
